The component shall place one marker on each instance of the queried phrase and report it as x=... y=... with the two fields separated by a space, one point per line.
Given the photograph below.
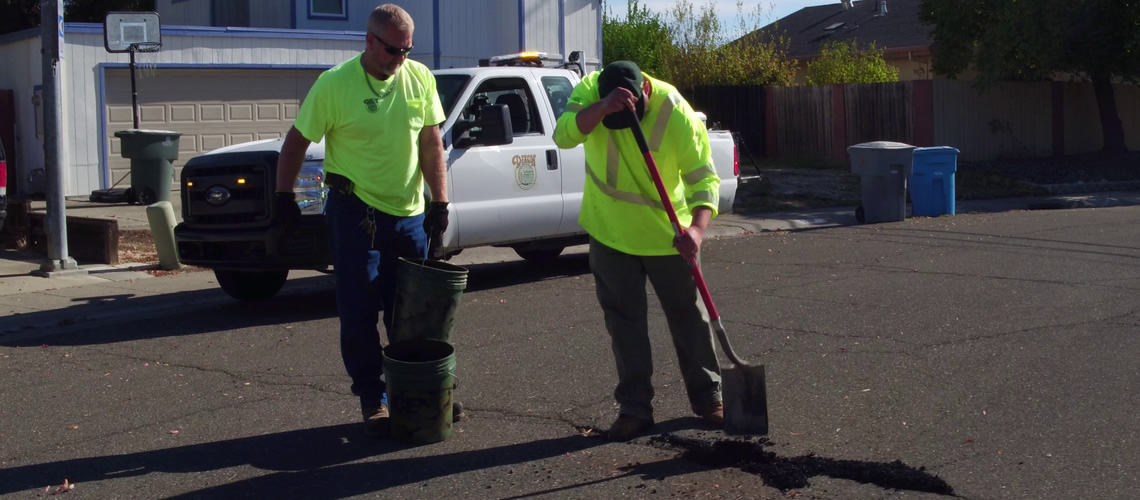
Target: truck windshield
x=449 y=87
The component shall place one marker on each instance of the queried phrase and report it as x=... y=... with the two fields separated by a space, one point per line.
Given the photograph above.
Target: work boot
x=627 y=427
x=376 y=422
x=712 y=414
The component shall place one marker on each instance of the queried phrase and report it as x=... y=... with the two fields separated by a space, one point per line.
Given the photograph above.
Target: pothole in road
x=789 y=473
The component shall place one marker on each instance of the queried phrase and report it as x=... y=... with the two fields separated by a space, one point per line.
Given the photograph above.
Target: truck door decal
x=525 y=171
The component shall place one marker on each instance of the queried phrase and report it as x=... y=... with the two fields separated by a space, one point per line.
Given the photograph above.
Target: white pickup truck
x=509 y=185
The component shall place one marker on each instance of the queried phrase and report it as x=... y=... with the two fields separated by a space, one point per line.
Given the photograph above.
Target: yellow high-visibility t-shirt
x=371 y=130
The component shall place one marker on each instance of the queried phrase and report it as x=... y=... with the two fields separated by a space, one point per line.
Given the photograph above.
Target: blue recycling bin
x=932 y=181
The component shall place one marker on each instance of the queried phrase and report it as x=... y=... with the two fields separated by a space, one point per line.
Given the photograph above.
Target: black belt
x=338 y=182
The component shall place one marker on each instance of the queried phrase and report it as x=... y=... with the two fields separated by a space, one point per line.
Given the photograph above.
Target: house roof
x=808 y=28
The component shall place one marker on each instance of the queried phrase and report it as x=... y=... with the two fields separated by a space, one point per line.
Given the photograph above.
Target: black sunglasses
x=391 y=49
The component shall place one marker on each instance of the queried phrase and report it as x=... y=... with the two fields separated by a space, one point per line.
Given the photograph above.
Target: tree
x=641 y=37
x=844 y=62
x=18 y=15
x=705 y=54
x=1093 y=40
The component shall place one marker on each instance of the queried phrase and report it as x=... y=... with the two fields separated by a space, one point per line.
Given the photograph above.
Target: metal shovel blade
x=745 y=400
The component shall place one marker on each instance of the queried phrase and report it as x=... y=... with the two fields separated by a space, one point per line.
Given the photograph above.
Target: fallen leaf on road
x=796 y=433
x=63 y=488
x=174 y=432
x=73 y=427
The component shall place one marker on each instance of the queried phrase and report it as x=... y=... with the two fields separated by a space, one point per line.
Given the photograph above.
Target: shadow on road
x=505 y=274
x=310 y=463
x=181 y=313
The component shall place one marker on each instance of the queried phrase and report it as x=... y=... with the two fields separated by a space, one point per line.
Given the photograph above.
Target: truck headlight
x=310 y=188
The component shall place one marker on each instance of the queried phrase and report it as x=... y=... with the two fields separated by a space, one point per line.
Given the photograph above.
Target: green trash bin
x=151 y=153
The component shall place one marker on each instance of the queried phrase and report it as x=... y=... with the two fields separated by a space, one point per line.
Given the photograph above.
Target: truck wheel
x=251 y=285
x=540 y=256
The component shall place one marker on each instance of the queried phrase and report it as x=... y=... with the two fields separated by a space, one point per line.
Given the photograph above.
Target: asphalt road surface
x=977 y=356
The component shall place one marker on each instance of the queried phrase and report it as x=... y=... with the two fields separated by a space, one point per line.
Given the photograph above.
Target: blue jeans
x=365 y=269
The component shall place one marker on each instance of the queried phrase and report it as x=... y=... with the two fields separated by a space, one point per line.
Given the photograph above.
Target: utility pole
x=55 y=222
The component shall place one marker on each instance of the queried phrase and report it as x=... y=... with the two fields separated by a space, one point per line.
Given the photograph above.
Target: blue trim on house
x=230 y=31
x=435 y=32
x=330 y=17
x=293 y=14
x=120 y=65
x=101 y=99
x=562 y=28
x=522 y=25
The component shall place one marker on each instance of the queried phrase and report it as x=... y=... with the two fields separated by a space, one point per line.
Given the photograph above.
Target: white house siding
x=477 y=29
x=542 y=27
x=469 y=30
x=184 y=12
x=86 y=63
x=22 y=72
x=584 y=30
x=269 y=14
x=357 y=15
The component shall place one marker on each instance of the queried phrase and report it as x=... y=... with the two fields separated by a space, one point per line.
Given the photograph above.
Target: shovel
x=745 y=394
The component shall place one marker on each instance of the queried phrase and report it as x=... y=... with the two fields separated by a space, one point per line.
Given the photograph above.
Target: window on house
x=328 y=8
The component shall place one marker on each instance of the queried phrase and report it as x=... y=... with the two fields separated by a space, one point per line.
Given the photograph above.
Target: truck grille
x=232 y=190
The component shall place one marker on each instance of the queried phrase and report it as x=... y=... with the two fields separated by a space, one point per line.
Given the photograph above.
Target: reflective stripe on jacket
x=620 y=205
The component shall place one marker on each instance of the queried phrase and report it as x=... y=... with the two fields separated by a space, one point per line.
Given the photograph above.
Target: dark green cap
x=624 y=74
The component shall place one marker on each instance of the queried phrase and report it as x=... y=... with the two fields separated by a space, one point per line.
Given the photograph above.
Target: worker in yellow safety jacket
x=631 y=237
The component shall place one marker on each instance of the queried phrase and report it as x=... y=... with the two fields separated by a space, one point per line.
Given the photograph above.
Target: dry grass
x=136 y=246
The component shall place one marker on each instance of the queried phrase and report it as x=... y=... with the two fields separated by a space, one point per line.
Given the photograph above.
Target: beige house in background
x=893 y=26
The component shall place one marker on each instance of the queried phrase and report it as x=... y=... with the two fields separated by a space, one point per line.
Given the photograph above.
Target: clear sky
x=773 y=9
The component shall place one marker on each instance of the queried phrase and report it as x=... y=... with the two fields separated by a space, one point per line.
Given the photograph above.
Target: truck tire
x=251 y=285
x=541 y=255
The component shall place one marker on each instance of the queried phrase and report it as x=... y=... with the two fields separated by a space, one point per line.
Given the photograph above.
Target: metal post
x=55 y=223
x=134 y=90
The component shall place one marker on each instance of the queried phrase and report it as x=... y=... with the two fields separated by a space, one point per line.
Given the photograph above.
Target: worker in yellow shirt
x=378 y=114
x=631 y=238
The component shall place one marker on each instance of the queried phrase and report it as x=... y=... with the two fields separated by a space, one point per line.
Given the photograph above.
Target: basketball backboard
x=124 y=30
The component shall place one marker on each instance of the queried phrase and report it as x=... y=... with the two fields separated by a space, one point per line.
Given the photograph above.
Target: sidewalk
x=29 y=302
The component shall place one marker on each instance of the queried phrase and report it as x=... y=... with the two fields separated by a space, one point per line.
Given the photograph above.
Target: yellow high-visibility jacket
x=620 y=205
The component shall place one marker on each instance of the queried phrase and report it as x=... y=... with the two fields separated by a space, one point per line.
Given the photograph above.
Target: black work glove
x=287 y=214
x=435 y=219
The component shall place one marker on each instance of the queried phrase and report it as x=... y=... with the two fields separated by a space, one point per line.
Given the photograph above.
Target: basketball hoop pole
x=134 y=89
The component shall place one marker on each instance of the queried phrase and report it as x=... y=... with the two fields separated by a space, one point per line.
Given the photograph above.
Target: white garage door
x=211 y=108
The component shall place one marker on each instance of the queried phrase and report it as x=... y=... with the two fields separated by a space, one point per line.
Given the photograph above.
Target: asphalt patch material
x=790 y=473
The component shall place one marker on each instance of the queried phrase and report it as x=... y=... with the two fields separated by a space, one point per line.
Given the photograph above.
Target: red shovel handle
x=656 y=175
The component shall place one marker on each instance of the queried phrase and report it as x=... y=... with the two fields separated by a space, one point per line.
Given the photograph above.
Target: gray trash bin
x=151 y=153
x=883 y=168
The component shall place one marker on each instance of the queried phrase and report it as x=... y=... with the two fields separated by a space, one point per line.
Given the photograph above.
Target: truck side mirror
x=492 y=128
x=496 y=125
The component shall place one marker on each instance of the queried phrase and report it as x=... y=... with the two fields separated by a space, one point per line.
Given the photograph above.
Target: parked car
x=508 y=183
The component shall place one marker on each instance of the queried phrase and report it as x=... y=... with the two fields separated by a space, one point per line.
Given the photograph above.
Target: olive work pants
x=620 y=279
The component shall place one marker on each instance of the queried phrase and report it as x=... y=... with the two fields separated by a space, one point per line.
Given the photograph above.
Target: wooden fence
x=1010 y=120
x=738 y=108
